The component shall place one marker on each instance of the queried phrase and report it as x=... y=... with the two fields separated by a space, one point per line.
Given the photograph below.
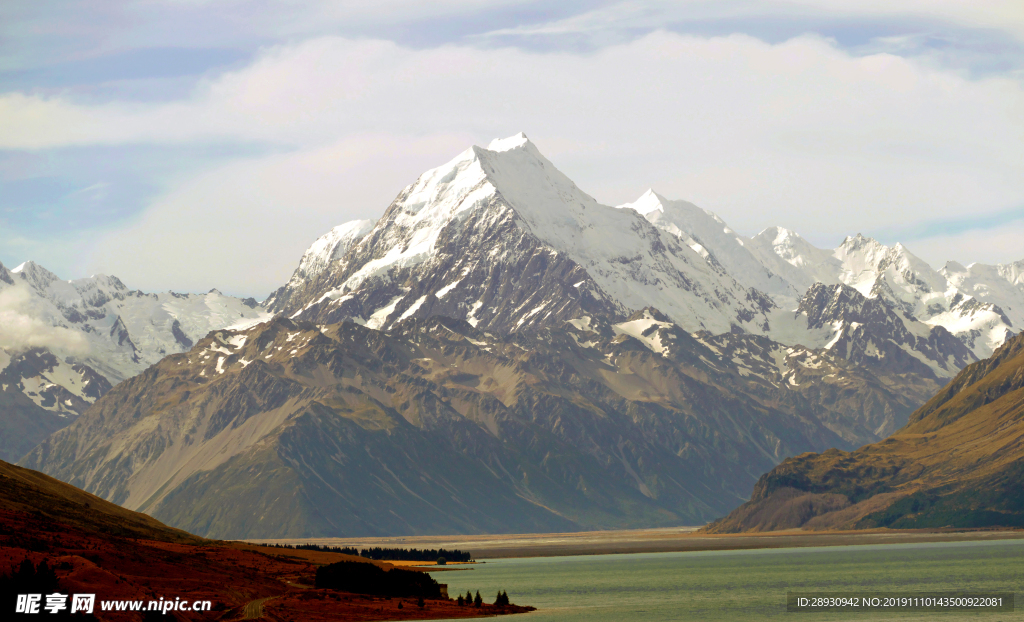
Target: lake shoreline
x=666 y=540
x=751 y=584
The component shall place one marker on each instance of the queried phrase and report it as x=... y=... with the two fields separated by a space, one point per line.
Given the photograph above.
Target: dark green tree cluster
x=419 y=555
x=364 y=578
x=385 y=554
x=347 y=550
x=478 y=601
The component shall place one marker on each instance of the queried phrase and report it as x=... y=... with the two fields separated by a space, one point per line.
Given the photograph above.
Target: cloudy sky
x=191 y=144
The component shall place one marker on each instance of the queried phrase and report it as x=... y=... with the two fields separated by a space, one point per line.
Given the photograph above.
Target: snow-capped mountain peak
x=497 y=205
x=512 y=142
x=514 y=176
x=35 y=275
x=651 y=202
x=860 y=257
x=500 y=237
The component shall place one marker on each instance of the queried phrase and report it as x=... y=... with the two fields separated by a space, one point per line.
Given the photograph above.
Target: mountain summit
x=502 y=224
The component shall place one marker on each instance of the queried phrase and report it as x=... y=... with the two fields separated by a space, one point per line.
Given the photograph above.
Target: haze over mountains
x=500 y=352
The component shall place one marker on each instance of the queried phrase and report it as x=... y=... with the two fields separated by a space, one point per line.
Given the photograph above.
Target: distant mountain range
x=65 y=343
x=500 y=352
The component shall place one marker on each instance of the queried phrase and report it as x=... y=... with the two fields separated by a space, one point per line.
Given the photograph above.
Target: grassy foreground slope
x=959 y=462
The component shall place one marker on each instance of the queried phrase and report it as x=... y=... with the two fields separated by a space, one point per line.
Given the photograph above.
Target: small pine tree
x=477 y=601
x=419 y=602
x=461 y=600
x=400 y=606
x=469 y=596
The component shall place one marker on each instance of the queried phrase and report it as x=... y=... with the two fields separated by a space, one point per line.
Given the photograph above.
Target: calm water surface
x=744 y=585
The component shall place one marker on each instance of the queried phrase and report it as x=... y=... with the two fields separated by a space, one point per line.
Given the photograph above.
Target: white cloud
x=800 y=134
x=998 y=15
x=21 y=328
x=242 y=227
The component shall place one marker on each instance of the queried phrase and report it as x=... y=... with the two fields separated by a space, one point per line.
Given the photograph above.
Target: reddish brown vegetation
x=100 y=548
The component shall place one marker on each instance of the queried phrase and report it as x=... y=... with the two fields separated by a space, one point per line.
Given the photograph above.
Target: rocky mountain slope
x=39 y=394
x=435 y=426
x=63 y=344
x=958 y=463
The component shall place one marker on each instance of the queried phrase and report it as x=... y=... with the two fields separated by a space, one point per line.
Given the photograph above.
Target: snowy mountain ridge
x=64 y=344
x=127 y=330
x=710 y=237
x=454 y=243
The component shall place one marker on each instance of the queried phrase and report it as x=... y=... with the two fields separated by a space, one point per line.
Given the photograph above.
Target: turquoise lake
x=744 y=585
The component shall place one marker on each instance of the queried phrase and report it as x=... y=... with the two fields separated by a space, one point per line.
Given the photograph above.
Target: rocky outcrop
x=870 y=332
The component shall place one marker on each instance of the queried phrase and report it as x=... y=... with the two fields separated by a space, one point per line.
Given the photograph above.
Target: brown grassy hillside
x=959 y=462
x=100 y=548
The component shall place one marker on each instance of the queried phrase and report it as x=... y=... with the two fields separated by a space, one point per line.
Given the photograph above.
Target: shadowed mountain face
x=40 y=394
x=289 y=429
x=958 y=463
